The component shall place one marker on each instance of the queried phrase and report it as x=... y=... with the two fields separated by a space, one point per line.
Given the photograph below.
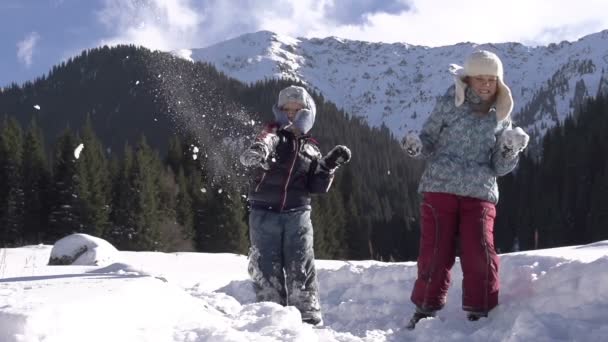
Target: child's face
x=485 y=86
x=291 y=108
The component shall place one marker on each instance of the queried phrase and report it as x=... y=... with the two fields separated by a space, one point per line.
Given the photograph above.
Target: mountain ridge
x=397 y=84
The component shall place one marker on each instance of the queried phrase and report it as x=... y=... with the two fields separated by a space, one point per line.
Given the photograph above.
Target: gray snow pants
x=281 y=260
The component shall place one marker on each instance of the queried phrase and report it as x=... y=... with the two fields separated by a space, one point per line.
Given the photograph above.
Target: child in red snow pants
x=444 y=219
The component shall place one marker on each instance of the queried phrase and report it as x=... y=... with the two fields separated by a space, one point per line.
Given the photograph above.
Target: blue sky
x=37 y=34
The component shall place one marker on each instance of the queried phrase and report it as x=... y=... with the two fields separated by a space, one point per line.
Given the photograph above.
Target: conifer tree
x=92 y=184
x=220 y=224
x=122 y=205
x=183 y=206
x=63 y=217
x=11 y=188
x=142 y=181
x=36 y=185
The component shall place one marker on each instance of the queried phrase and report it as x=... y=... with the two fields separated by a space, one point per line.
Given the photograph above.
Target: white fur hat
x=304 y=119
x=293 y=94
x=483 y=62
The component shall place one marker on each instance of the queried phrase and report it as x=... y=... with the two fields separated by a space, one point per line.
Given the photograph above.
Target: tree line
x=135 y=199
x=159 y=168
x=129 y=93
x=561 y=197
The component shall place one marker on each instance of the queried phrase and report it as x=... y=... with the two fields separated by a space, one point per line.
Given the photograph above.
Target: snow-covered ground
x=547 y=295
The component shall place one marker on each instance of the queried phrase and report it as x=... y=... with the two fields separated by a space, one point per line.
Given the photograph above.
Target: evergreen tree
x=63 y=200
x=220 y=224
x=174 y=235
x=122 y=207
x=329 y=222
x=36 y=185
x=11 y=183
x=138 y=217
x=183 y=205
x=92 y=184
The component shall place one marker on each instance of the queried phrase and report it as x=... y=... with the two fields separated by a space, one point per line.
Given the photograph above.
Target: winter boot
x=417 y=317
x=475 y=316
x=313 y=320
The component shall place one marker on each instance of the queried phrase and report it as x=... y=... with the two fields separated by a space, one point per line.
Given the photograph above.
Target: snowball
x=78 y=150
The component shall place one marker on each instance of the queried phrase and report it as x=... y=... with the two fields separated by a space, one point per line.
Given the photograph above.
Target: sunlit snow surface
x=546 y=295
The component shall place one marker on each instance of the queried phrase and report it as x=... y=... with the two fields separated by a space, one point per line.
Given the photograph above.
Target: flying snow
x=78 y=150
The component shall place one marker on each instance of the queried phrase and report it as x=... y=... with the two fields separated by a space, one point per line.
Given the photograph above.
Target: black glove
x=338 y=155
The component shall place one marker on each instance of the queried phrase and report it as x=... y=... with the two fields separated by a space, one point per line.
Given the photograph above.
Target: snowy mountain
x=546 y=295
x=397 y=84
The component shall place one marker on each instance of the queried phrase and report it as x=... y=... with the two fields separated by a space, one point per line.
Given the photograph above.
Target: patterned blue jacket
x=462 y=149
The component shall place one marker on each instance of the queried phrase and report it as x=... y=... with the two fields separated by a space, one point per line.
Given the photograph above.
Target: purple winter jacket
x=291 y=174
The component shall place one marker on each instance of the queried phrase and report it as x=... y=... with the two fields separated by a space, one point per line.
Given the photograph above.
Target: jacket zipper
x=257 y=188
x=293 y=163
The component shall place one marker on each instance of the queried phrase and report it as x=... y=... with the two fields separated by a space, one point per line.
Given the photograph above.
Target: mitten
x=338 y=155
x=513 y=141
x=254 y=155
x=411 y=144
x=304 y=120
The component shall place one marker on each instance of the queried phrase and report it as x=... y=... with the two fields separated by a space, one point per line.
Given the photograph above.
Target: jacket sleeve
x=319 y=180
x=431 y=129
x=266 y=142
x=502 y=165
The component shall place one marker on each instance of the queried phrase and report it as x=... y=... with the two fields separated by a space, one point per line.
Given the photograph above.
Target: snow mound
x=82 y=249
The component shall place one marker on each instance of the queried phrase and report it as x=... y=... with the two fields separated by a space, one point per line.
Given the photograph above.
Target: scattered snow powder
x=37 y=107
x=78 y=150
x=203 y=190
x=220 y=191
x=136 y=82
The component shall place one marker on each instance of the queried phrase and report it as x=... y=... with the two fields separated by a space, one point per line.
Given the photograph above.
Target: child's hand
x=338 y=156
x=513 y=141
x=253 y=156
x=411 y=144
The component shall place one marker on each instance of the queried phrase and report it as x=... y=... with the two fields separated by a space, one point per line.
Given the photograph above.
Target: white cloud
x=175 y=24
x=25 y=48
x=157 y=24
x=445 y=22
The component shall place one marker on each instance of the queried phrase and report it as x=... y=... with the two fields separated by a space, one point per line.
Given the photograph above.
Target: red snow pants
x=446 y=218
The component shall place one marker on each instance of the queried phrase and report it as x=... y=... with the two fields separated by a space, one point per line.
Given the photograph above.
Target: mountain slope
x=397 y=84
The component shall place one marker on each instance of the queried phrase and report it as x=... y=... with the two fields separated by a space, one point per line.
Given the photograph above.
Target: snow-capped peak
x=397 y=84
